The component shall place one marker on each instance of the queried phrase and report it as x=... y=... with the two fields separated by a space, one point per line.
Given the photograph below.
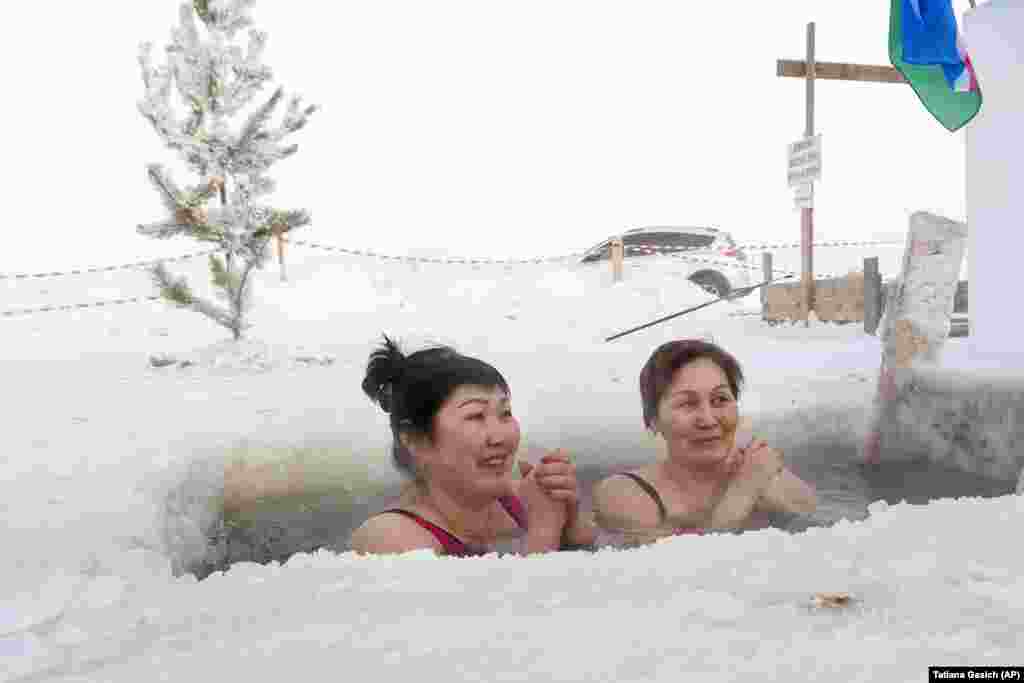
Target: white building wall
x=994 y=34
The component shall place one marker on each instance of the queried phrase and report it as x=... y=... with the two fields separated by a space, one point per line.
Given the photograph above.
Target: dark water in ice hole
x=845 y=489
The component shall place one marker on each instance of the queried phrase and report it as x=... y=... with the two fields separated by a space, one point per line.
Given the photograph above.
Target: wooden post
x=810 y=70
x=807 y=214
x=617 y=254
x=766 y=274
x=279 y=234
x=872 y=295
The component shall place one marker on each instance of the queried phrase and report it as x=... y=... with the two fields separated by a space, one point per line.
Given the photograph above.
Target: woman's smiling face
x=474 y=443
x=698 y=413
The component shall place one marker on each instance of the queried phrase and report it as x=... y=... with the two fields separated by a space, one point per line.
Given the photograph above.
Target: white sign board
x=804 y=161
x=803 y=196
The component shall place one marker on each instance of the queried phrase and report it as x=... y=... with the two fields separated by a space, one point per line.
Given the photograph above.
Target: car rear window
x=674 y=240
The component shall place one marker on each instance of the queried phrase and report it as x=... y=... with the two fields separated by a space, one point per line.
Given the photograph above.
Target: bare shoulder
x=619 y=503
x=389 y=533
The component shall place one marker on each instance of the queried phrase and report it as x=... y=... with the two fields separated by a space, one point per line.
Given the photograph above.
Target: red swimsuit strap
x=514 y=507
x=449 y=542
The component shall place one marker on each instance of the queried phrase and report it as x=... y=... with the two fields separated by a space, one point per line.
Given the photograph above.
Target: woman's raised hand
x=544 y=492
x=763 y=462
x=734 y=461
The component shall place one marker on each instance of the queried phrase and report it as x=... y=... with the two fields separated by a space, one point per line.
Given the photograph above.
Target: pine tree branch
x=202 y=8
x=207 y=233
x=180 y=294
x=296 y=120
x=256 y=47
x=283 y=222
x=257 y=120
x=222 y=279
x=145 y=60
x=227 y=18
x=196 y=118
x=301 y=123
x=163 y=230
x=176 y=291
x=169 y=193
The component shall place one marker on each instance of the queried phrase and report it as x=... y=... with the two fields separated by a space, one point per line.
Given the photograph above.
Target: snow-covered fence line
x=637 y=248
x=417 y=259
x=14 y=277
x=429 y=259
x=75 y=307
x=795 y=245
x=103 y=269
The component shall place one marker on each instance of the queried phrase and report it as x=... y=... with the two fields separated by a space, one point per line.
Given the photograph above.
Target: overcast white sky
x=498 y=129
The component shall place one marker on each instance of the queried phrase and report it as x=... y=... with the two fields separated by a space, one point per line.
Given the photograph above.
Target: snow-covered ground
x=95 y=440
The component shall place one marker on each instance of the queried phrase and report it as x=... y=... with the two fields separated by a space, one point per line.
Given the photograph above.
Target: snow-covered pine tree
x=216 y=81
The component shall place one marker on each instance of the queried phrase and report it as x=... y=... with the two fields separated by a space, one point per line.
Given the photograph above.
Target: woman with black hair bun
x=455 y=438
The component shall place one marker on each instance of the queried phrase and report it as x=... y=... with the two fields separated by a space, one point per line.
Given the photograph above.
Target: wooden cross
x=810 y=70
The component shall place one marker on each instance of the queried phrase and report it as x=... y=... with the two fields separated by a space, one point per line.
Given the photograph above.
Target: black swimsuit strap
x=651 y=491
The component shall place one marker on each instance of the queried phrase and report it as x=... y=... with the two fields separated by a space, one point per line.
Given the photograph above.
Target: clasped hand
x=758 y=463
x=549 y=492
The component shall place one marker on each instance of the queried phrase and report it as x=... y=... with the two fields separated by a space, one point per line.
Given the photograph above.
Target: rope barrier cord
x=550 y=259
x=631 y=249
x=640 y=248
x=424 y=259
x=72 y=307
x=125 y=266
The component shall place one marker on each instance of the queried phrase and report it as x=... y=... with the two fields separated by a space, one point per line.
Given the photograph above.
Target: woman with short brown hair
x=689 y=392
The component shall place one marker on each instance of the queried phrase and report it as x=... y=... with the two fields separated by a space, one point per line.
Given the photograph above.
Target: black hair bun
x=383 y=371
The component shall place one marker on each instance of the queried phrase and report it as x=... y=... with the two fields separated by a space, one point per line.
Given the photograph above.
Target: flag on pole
x=925 y=47
x=961 y=76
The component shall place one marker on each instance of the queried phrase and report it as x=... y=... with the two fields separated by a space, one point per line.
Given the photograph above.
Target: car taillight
x=730 y=251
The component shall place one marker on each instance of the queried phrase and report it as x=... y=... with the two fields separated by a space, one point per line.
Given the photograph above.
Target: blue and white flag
x=930 y=38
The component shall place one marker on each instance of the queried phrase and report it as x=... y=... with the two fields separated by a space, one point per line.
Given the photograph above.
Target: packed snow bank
x=927 y=589
x=115 y=467
x=969 y=419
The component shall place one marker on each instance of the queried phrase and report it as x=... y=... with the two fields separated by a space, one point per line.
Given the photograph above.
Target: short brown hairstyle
x=657 y=373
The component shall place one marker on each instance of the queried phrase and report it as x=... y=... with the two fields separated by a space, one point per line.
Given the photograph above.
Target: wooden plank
x=837 y=71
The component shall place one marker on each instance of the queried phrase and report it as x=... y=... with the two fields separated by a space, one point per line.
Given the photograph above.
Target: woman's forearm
x=789 y=493
x=735 y=505
x=582 y=533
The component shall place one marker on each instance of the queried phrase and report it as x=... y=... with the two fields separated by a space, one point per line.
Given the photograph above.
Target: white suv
x=715 y=263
